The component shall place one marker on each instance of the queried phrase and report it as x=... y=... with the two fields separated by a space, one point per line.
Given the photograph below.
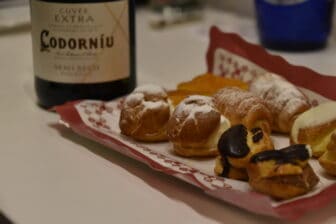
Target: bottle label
x=81 y=42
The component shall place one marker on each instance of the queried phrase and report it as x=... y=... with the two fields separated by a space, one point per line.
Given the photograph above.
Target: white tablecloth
x=50 y=175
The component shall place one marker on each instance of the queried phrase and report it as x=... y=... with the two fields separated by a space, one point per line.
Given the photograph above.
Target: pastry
x=195 y=127
x=209 y=84
x=314 y=127
x=284 y=100
x=243 y=107
x=328 y=159
x=236 y=146
x=206 y=84
x=284 y=173
x=145 y=114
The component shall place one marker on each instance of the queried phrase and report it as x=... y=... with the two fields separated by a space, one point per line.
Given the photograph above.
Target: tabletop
x=50 y=175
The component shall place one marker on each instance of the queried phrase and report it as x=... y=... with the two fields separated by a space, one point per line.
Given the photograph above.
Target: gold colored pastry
x=206 y=85
x=328 y=159
x=284 y=100
x=243 y=107
x=176 y=96
x=284 y=173
x=195 y=127
x=236 y=146
x=145 y=114
x=315 y=127
x=209 y=84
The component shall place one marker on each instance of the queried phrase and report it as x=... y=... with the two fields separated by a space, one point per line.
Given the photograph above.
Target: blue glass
x=294 y=24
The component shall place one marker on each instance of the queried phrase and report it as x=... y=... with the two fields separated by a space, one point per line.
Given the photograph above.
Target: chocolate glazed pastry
x=283 y=173
x=292 y=154
x=236 y=146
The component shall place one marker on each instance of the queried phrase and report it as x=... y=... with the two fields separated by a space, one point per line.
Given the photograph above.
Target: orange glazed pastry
x=176 y=96
x=209 y=84
x=206 y=85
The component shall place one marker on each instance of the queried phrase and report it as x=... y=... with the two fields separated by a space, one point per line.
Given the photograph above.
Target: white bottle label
x=81 y=42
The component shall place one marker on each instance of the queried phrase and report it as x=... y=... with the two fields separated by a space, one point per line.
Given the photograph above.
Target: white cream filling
x=214 y=137
x=316 y=116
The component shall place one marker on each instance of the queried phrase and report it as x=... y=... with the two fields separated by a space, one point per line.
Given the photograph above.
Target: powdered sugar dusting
x=191 y=106
x=278 y=92
x=140 y=97
x=235 y=101
x=150 y=105
x=151 y=89
x=134 y=98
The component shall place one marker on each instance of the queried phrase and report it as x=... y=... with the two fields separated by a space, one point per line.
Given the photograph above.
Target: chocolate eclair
x=283 y=173
x=236 y=146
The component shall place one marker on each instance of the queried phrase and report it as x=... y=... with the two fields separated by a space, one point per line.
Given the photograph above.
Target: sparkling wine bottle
x=82 y=49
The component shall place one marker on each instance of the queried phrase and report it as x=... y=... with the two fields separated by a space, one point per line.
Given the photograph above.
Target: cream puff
x=145 y=114
x=195 y=127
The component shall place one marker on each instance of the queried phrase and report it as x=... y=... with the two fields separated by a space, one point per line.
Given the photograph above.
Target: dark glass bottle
x=83 y=49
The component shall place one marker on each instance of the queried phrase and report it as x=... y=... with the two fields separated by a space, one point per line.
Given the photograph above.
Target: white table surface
x=50 y=175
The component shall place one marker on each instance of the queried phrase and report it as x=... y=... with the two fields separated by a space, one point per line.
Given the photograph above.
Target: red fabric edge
x=70 y=115
x=296 y=209
x=252 y=202
x=298 y=75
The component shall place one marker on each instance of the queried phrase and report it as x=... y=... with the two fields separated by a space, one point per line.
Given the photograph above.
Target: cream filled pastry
x=195 y=127
x=283 y=173
x=236 y=146
x=283 y=99
x=243 y=107
x=145 y=114
x=315 y=127
x=328 y=159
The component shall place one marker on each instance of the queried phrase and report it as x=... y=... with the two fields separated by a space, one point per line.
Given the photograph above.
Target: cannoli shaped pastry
x=284 y=100
x=145 y=114
x=283 y=173
x=243 y=107
x=195 y=127
x=315 y=127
